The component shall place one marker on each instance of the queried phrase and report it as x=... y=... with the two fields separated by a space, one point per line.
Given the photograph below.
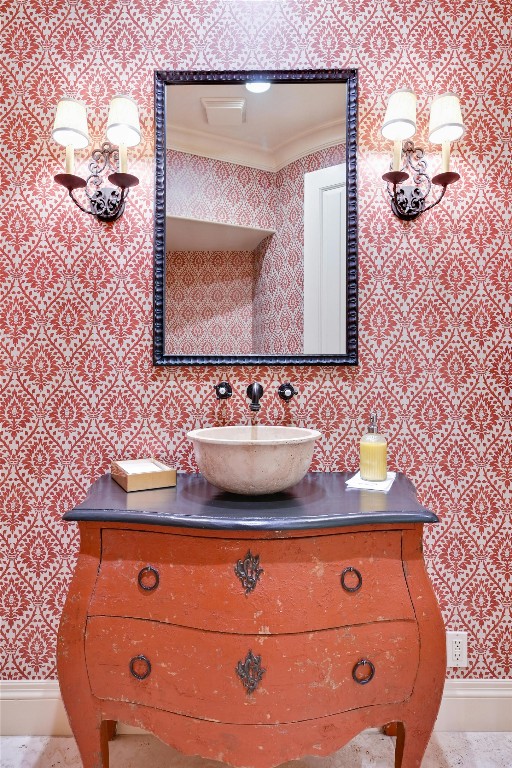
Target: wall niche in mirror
x=255 y=218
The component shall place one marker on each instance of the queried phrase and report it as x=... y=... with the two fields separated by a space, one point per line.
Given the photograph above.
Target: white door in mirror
x=324 y=261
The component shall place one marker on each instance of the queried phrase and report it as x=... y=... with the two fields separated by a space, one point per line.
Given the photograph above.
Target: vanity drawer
x=191 y=581
x=194 y=673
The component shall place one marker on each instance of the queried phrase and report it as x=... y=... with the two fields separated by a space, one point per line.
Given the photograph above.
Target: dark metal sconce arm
x=123 y=180
x=76 y=202
x=71 y=181
x=85 y=210
x=105 y=203
x=409 y=202
x=438 y=200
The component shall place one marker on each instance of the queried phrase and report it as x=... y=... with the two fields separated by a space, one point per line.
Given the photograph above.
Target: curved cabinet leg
x=411 y=744
x=93 y=745
x=91 y=734
x=419 y=713
x=83 y=710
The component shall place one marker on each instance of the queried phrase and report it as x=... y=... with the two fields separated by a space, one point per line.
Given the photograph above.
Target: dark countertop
x=320 y=500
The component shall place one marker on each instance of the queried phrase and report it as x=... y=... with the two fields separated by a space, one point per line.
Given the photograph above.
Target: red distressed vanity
x=251 y=630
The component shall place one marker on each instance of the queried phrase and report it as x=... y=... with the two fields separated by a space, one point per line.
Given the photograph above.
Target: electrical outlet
x=457 y=649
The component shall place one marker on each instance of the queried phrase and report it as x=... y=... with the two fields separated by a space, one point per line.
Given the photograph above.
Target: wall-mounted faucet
x=254 y=393
x=223 y=390
x=286 y=392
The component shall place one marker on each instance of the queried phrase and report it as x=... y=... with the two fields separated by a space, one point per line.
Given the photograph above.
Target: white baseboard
x=476 y=705
x=35 y=708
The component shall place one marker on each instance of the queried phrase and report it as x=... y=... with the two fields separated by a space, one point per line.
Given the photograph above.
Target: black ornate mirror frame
x=164 y=78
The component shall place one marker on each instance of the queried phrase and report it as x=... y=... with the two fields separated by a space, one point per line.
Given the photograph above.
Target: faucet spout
x=254 y=393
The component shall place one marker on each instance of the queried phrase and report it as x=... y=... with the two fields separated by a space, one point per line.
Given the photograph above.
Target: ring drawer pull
x=369 y=676
x=358 y=576
x=145 y=572
x=140 y=660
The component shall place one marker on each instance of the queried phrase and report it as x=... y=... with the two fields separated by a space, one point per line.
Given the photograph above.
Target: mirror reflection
x=256 y=220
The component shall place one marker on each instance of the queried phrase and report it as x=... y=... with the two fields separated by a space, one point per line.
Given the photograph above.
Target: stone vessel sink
x=253 y=460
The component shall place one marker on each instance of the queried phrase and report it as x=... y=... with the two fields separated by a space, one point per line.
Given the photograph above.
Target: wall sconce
x=123 y=129
x=410 y=201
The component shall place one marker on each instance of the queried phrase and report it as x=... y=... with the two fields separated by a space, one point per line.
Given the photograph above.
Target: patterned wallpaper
x=203 y=188
x=209 y=303
x=76 y=383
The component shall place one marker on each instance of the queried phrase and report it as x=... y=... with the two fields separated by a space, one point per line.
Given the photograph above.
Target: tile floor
x=368 y=750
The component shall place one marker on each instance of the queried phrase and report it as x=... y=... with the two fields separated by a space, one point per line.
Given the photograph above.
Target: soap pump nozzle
x=373 y=427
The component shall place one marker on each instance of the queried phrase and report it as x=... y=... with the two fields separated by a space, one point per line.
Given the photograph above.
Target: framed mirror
x=255 y=218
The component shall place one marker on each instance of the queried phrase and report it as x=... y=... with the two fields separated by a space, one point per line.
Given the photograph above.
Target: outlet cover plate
x=456 y=649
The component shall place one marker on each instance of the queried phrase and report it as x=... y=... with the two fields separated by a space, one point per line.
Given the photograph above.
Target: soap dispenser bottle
x=373 y=453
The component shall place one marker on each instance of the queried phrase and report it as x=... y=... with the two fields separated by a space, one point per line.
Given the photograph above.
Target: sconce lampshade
x=445 y=119
x=400 y=120
x=123 y=127
x=70 y=126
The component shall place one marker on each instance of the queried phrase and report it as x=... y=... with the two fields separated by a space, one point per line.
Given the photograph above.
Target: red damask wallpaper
x=203 y=188
x=209 y=303
x=76 y=383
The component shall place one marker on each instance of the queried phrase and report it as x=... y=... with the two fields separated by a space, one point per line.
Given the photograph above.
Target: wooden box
x=142 y=474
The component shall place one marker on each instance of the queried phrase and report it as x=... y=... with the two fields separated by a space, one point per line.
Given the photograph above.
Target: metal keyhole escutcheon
x=250 y=671
x=248 y=571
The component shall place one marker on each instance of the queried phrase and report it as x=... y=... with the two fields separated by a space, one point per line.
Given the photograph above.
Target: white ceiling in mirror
x=305 y=113
x=223 y=111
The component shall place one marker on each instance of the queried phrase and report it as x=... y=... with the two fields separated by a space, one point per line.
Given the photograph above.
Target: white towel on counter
x=367 y=485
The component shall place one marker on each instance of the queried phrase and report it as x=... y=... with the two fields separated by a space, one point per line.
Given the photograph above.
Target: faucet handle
x=223 y=390
x=286 y=392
